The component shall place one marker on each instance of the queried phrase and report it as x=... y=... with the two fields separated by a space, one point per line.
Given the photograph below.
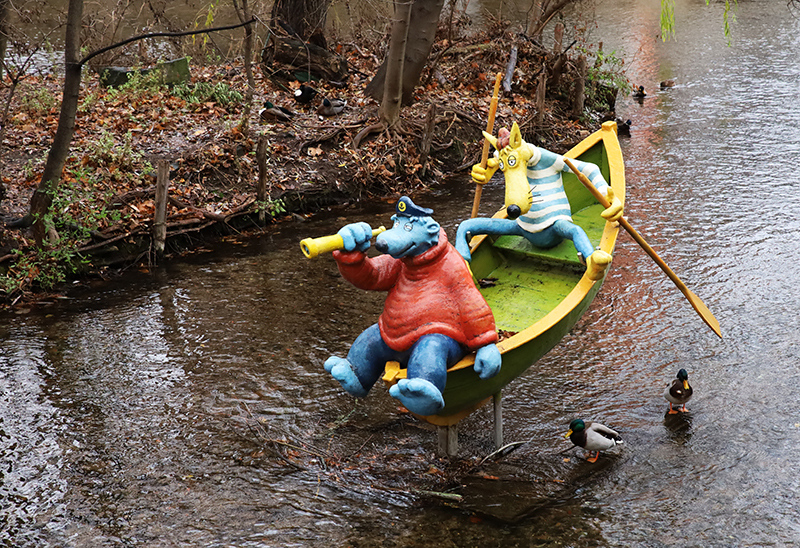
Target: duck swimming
x=678 y=392
x=667 y=84
x=592 y=436
x=639 y=93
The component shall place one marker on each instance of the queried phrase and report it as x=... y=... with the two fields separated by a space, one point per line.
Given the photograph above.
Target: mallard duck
x=639 y=93
x=331 y=107
x=305 y=94
x=624 y=128
x=667 y=84
x=273 y=113
x=592 y=436
x=678 y=392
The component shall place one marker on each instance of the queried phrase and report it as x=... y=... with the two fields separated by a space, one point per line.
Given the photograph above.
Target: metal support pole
x=448 y=440
x=497 y=399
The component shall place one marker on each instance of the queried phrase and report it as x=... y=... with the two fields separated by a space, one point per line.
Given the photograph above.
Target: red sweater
x=430 y=293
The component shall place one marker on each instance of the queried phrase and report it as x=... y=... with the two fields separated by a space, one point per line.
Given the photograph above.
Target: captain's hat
x=407 y=208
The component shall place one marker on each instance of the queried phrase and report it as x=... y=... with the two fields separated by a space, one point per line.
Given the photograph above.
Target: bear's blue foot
x=418 y=395
x=342 y=371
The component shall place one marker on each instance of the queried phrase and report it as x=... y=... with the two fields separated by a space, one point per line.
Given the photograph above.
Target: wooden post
x=160 y=215
x=497 y=400
x=427 y=137
x=541 y=91
x=448 y=440
x=580 y=89
x=558 y=38
x=558 y=70
x=261 y=188
x=561 y=57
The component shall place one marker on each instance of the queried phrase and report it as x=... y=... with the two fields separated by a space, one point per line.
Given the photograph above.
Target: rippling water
x=148 y=412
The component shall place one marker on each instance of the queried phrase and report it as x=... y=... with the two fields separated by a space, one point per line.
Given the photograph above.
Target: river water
x=186 y=406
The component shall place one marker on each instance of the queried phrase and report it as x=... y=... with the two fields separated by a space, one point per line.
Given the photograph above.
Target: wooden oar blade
x=701 y=308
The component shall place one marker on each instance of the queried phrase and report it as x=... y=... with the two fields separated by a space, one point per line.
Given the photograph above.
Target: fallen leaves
x=120 y=137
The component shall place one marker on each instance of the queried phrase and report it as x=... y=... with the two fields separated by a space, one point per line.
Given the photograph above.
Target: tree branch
x=157 y=34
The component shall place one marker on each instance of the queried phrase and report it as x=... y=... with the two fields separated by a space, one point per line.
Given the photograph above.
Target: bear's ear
x=515 y=139
x=433 y=227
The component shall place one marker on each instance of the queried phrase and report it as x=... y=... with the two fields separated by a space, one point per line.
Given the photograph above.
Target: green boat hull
x=537 y=296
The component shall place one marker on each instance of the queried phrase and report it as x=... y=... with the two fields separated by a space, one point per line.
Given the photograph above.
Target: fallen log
x=301 y=60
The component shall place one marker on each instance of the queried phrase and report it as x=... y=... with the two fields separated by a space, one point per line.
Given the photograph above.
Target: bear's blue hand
x=356 y=236
x=488 y=361
x=462 y=242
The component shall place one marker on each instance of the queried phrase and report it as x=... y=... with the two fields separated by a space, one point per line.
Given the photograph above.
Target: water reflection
x=679 y=427
x=31 y=486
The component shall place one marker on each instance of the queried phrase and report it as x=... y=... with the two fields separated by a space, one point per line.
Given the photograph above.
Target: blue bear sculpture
x=433 y=314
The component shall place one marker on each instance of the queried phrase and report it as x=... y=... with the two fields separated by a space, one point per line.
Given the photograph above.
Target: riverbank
x=104 y=212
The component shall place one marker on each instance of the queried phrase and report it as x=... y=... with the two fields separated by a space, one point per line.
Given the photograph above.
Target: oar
x=311 y=247
x=693 y=299
x=486 y=144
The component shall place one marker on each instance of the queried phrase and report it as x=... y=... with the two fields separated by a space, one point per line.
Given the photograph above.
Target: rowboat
x=536 y=295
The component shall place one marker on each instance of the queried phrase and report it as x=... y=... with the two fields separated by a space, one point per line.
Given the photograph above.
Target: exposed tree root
x=377 y=127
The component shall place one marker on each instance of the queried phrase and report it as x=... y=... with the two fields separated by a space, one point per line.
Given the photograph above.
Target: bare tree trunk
x=3 y=35
x=421 y=34
x=57 y=157
x=389 y=112
x=304 y=17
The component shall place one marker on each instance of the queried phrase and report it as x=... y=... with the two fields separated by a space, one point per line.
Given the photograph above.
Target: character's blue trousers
x=427 y=359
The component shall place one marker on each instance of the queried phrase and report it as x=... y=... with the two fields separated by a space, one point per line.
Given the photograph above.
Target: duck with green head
x=331 y=107
x=592 y=436
x=678 y=392
x=273 y=113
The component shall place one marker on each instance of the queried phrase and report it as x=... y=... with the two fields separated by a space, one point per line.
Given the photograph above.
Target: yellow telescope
x=311 y=247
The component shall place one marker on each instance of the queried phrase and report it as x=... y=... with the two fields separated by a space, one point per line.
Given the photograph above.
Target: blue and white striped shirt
x=549 y=201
